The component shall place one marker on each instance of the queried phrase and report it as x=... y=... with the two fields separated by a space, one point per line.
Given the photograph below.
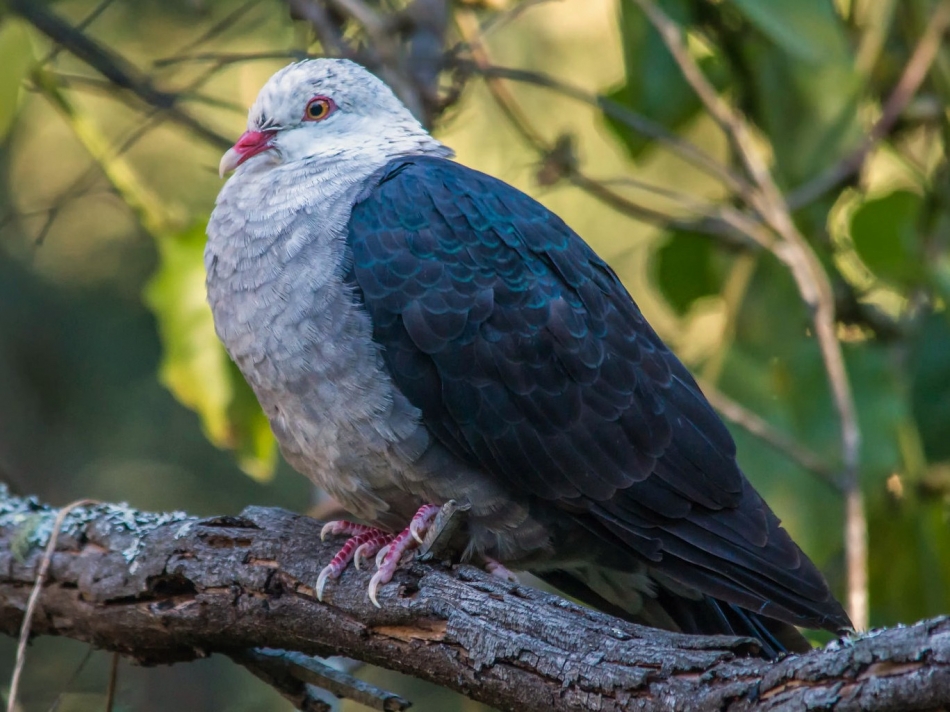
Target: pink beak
x=250 y=144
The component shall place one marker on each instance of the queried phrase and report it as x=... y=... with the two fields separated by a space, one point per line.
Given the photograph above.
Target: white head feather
x=367 y=124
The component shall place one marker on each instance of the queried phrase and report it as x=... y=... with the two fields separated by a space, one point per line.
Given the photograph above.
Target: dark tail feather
x=700 y=616
x=710 y=616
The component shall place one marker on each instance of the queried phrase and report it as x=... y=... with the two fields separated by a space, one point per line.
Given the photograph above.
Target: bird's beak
x=250 y=144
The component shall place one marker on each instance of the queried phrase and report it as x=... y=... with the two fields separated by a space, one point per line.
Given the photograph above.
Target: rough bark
x=170 y=588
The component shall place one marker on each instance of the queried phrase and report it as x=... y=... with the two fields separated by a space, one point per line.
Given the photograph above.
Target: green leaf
x=195 y=366
x=885 y=235
x=16 y=58
x=930 y=387
x=774 y=367
x=654 y=84
x=805 y=89
x=685 y=270
x=808 y=30
x=909 y=570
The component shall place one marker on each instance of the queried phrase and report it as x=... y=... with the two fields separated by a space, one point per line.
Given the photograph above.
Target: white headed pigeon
x=418 y=332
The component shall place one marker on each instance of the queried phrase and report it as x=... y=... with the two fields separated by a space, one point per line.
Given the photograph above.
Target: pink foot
x=363 y=541
x=390 y=556
x=499 y=570
x=371 y=546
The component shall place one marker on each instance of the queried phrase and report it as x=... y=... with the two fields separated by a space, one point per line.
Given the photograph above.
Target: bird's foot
x=364 y=541
x=499 y=570
x=390 y=556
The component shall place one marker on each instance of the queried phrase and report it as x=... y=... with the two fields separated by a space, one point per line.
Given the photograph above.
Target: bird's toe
x=342 y=526
x=377 y=543
x=390 y=555
x=499 y=570
x=363 y=540
x=422 y=520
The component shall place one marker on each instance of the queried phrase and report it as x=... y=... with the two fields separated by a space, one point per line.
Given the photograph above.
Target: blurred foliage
x=103 y=203
x=195 y=366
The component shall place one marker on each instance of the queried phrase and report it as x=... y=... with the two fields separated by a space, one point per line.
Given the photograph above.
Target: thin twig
x=723 y=221
x=221 y=26
x=105 y=87
x=81 y=25
x=328 y=34
x=72 y=678
x=148 y=208
x=284 y=665
x=113 y=682
x=35 y=598
x=685 y=150
x=910 y=80
x=111 y=65
x=751 y=422
x=810 y=278
x=225 y=58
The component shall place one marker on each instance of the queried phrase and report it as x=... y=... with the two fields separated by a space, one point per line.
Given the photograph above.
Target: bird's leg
x=390 y=556
x=363 y=541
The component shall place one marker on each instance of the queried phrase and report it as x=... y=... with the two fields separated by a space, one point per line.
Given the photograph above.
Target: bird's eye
x=318 y=108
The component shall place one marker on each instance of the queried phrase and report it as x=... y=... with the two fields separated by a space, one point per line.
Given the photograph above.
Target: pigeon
x=419 y=333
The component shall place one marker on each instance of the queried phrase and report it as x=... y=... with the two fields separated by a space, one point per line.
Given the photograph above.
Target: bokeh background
x=113 y=387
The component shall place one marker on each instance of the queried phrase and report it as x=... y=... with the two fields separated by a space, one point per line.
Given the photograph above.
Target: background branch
x=814 y=287
x=915 y=71
x=121 y=73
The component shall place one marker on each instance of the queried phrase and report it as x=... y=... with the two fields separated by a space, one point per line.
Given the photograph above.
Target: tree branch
x=163 y=588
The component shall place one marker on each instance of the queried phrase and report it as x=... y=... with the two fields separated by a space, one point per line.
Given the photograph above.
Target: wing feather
x=528 y=358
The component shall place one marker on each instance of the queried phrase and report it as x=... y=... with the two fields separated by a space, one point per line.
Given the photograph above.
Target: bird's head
x=327 y=108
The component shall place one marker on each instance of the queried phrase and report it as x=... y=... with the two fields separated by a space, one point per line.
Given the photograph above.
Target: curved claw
x=381 y=554
x=326 y=574
x=379 y=578
x=362 y=552
x=363 y=539
x=421 y=521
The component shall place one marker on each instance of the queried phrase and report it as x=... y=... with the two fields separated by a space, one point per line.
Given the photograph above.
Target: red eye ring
x=318 y=108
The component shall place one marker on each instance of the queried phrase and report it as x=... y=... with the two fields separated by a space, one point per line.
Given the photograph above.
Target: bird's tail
x=632 y=597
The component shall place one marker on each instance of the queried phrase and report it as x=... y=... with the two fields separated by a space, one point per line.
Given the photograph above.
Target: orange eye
x=318 y=108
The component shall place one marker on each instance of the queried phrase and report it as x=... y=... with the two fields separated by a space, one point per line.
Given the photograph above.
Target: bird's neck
x=279 y=231
x=325 y=185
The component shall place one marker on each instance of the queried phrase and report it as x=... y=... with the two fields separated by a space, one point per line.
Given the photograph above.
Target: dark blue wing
x=528 y=358
x=521 y=347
